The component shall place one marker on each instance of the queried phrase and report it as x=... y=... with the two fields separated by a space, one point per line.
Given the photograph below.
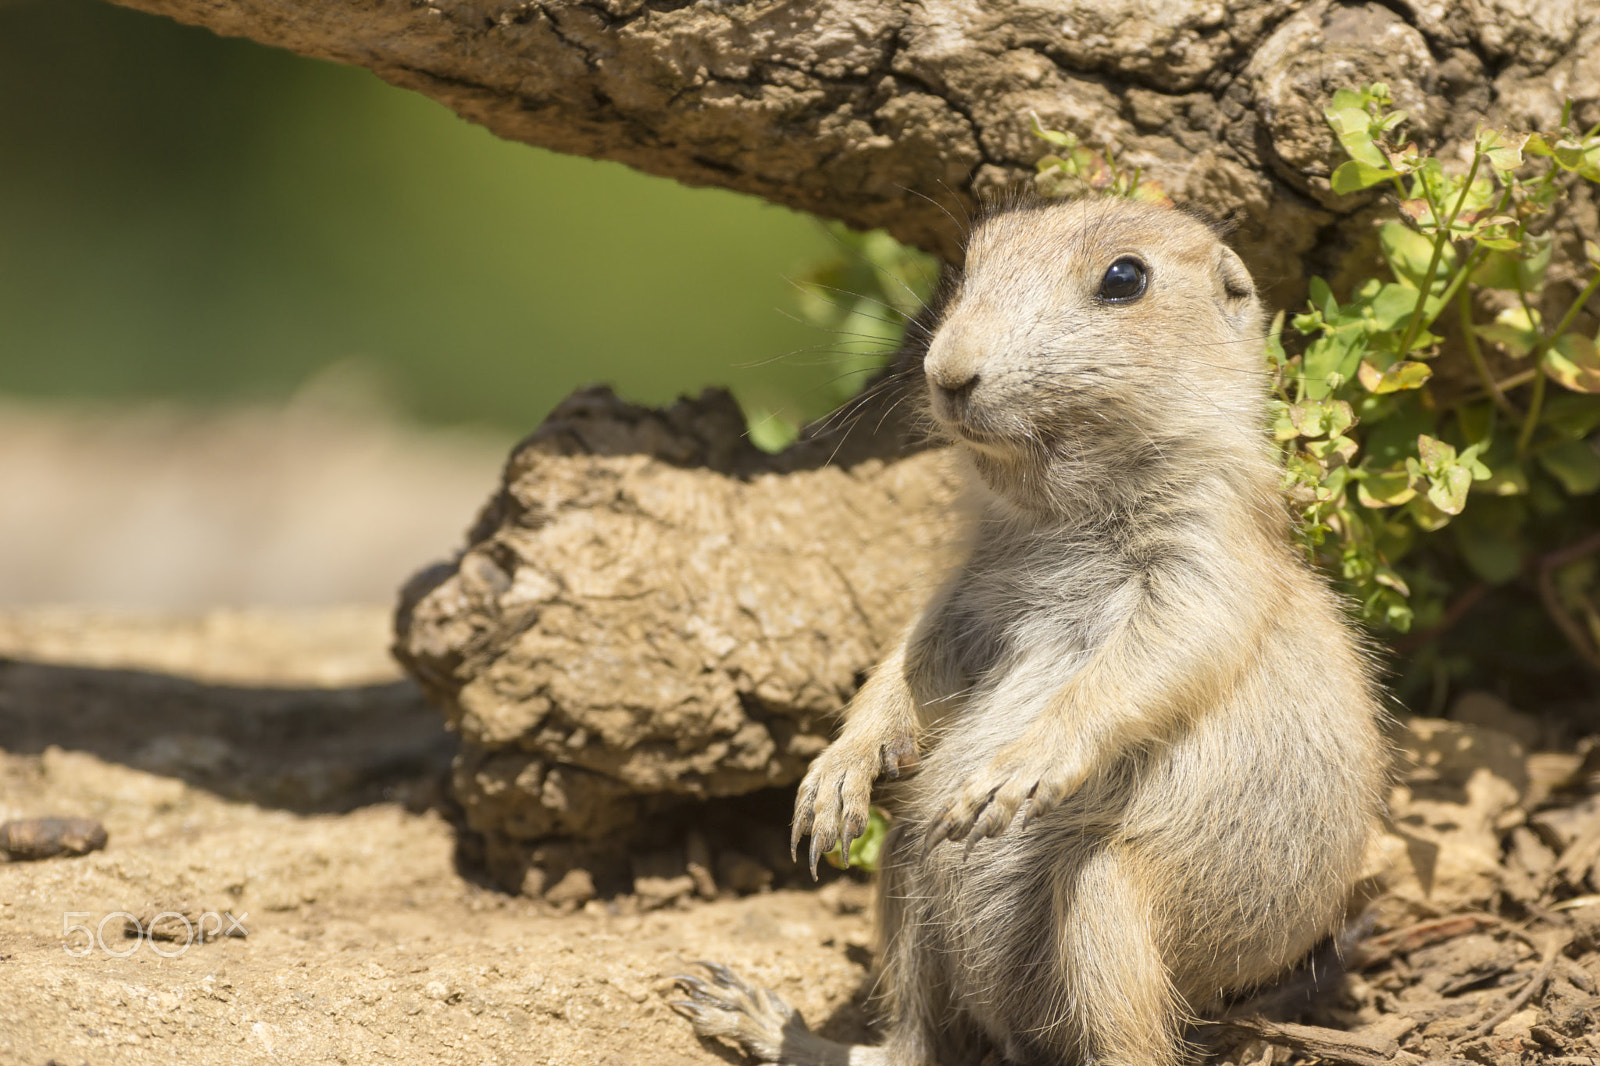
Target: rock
x=576 y=887
x=698 y=862
x=28 y=839
x=655 y=892
x=650 y=611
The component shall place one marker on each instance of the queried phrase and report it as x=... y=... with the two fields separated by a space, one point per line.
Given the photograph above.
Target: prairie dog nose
x=956 y=383
x=952 y=365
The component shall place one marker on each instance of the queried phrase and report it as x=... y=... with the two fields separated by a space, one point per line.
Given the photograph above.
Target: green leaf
x=866 y=850
x=1349 y=99
x=1334 y=452
x=1353 y=127
x=1513 y=330
x=1402 y=375
x=1520 y=266
x=1574 y=464
x=1277 y=358
x=1391 y=306
x=1313 y=418
x=1390 y=609
x=1435 y=455
x=1049 y=136
x=1448 y=491
x=1283 y=427
x=1389 y=488
x=1428 y=182
x=1475 y=466
x=1425 y=516
x=1409 y=252
x=1574 y=362
x=1503 y=150
x=1576 y=155
x=1322 y=298
x=1356 y=175
x=1479 y=195
x=1331 y=360
x=1572 y=416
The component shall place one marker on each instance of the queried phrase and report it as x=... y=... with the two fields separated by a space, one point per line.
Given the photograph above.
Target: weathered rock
x=651 y=609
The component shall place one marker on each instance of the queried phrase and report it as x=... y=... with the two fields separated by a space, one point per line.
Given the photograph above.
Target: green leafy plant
x=1438 y=420
x=1439 y=398
x=866 y=850
x=864 y=297
x=1074 y=169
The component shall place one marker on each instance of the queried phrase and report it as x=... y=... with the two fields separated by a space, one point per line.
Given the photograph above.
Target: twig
x=1452 y=615
x=1553 y=948
x=1330 y=1045
x=1385 y=946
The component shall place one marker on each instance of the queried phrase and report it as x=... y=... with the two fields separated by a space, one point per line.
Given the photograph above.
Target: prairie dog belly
x=1238 y=893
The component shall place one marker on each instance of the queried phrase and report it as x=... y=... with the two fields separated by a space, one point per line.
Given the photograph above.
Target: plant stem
x=1464 y=307
x=1515 y=380
x=1526 y=437
x=1504 y=385
x=1577 y=305
x=1469 y=264
x=1439 y=242
x=1548 y=565
x=1534 y=410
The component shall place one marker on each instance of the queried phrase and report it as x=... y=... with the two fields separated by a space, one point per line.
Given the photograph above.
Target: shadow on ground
x=310 y=750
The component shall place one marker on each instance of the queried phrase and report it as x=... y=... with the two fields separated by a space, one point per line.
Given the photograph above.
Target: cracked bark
x=649 y=610
x=903 y=114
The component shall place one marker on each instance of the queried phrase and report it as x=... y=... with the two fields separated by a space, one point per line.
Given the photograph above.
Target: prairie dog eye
x=1124 y=282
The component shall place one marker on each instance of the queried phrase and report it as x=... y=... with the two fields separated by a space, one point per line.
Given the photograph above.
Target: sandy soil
x=310 y=814
x=270 y=773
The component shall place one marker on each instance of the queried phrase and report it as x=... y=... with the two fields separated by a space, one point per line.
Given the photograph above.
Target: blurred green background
x=184 y=216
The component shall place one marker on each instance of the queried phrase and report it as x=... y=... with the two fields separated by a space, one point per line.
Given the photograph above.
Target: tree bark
x=906 y=114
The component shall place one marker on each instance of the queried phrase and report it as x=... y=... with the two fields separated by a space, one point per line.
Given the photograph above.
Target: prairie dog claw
x=832 y=802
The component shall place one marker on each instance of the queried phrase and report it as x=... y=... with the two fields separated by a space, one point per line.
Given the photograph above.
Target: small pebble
x=27 y=839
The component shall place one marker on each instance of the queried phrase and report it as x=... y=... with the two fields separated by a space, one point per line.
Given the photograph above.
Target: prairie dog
x=1147 y=746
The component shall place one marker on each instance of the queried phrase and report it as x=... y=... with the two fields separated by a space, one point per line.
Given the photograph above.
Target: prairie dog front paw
x=1039 y=770
x=834 y=797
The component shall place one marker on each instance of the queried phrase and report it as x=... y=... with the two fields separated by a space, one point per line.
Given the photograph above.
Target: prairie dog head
x=1089 y=339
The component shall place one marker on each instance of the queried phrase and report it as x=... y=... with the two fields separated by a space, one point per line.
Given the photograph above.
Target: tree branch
x=904 y=114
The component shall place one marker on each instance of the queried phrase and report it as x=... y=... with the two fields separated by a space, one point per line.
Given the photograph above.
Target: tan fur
x=1149 y=755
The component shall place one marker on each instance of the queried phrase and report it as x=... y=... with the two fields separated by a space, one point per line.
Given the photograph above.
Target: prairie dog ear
x=1233 y=280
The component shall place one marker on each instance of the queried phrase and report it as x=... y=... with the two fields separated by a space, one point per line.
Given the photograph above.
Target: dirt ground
x=272 y=767
x=269 y=773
